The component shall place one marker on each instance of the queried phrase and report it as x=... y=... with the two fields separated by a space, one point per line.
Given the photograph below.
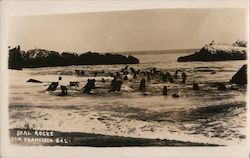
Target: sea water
x=207 y=115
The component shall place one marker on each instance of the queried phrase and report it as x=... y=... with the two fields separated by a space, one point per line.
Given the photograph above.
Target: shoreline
x=30 y=137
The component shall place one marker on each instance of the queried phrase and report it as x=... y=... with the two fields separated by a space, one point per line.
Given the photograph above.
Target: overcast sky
x=159 y=29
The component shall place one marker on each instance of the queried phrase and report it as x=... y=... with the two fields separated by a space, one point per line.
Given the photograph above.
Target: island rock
x=217 y=52
x=44 y=58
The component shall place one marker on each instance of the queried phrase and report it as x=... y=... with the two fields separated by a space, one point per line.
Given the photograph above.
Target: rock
x=41 y=58
x=217 y=52
x=132 y=59
x=34 y=81
x=93 y=58
x=44 y=58
x=16 y=60
x=220 y=86
x=241 y=76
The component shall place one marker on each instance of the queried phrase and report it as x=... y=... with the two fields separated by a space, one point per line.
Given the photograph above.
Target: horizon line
x=127 y=51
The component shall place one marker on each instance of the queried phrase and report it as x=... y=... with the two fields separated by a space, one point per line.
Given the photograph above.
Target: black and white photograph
x=154 y=77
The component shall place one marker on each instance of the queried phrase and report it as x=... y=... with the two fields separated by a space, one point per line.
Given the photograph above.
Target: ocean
x=207 y=116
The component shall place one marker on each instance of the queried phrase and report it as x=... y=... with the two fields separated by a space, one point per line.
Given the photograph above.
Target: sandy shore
x=32 y=137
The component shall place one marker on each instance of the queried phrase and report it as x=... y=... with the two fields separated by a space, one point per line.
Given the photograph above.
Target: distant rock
x=218 y=52
x=131 y=59
x=44 y=58
x=241 y=76
x=41 y=58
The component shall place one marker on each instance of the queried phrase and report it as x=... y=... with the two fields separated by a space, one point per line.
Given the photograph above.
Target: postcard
x=124 y=79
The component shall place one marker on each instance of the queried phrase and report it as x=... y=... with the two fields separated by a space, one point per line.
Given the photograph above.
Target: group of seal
x=152 y=75
x=122 y=76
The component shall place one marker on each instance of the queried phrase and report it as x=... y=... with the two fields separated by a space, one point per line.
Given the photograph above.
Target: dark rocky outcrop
x=217 y=52
x=241 y=76
x=41 y=58
x=16 y=60
x=45 y=58
x=221 y=86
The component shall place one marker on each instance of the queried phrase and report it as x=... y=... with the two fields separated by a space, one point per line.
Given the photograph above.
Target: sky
x=138 y=30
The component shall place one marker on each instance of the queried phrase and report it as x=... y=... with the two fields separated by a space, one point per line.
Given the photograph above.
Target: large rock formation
x=16 y=60
x=45 y=58
x=41 y=58
x=241 y=76
x=90 y=58
x=217 y=52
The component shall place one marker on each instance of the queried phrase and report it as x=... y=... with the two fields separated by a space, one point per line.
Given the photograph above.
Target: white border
x=21 y=8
